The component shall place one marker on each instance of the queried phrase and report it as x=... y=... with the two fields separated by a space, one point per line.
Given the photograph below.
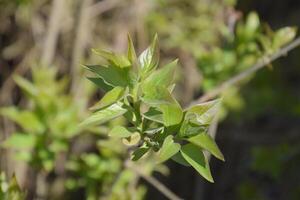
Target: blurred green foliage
x=48 y=132
x=51 y=119
x=10 y=190
x=223 y=48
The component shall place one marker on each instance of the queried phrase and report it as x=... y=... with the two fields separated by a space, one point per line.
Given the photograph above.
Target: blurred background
x=44 y=95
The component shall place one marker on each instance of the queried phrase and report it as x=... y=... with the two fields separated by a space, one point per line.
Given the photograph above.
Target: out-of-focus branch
x=102 y=7
x=154 y=182
x=192 y=78
x=260 y=64
x=54 y=26
x=80 y=44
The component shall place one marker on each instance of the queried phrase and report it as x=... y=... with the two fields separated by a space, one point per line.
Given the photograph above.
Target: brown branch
x=153 y=181
x=54 y=26
x=260 y=64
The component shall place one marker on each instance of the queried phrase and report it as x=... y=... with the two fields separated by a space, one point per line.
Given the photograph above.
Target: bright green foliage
x=106 y=114
x=204 y=141
x=49 y=129
x=119 y=131
x=168 y=149
x=48 y=125
x=157 y=121
x=197 y=159
x=109 y=98
x=10 y=190
x=102 y=173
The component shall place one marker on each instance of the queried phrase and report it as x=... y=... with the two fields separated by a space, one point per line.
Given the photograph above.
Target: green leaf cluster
x=142 y=93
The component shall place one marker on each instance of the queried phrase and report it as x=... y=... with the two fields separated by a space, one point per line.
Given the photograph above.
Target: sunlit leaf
x=153 y=131
x=120 y=132
x=117 y=60
x=172 y=114
x=149 y=58
x=154 y=114
x=252 y=24
x=109 y=98
x=132 y=140
x=284 y=36
x=131 y=55
x=100 y=83
x=168 y=149
x=206 y=142
x=203 y=113
x=161 y=98
x=157 y=95
x=179 y=159
x=111 y=75
x=189 y=129
x=102 y=116
x=161 y=78
x=194 y=156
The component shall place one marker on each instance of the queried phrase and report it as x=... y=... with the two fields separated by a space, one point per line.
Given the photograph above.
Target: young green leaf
x=131 y=55
x=154 y=114
x=100 y=83
x=153 y=131
x=204 y=141
x=120 y=132
x=109 y=98
x=204 y=113
x=189 y=129
x=194 y=156
x=284 y=36
x=180 y=160
x=102 y=116
x=132 y=140
x=117 y=60
x=172 y=114
x=149 y=58
x=252 y=24
x=155 y=96
x=111 y=75
x=168 y=149
x=161 y=78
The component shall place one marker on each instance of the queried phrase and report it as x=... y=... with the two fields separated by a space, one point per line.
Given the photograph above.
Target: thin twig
x=54 y=26
x=153 y=181
x=260 y=64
